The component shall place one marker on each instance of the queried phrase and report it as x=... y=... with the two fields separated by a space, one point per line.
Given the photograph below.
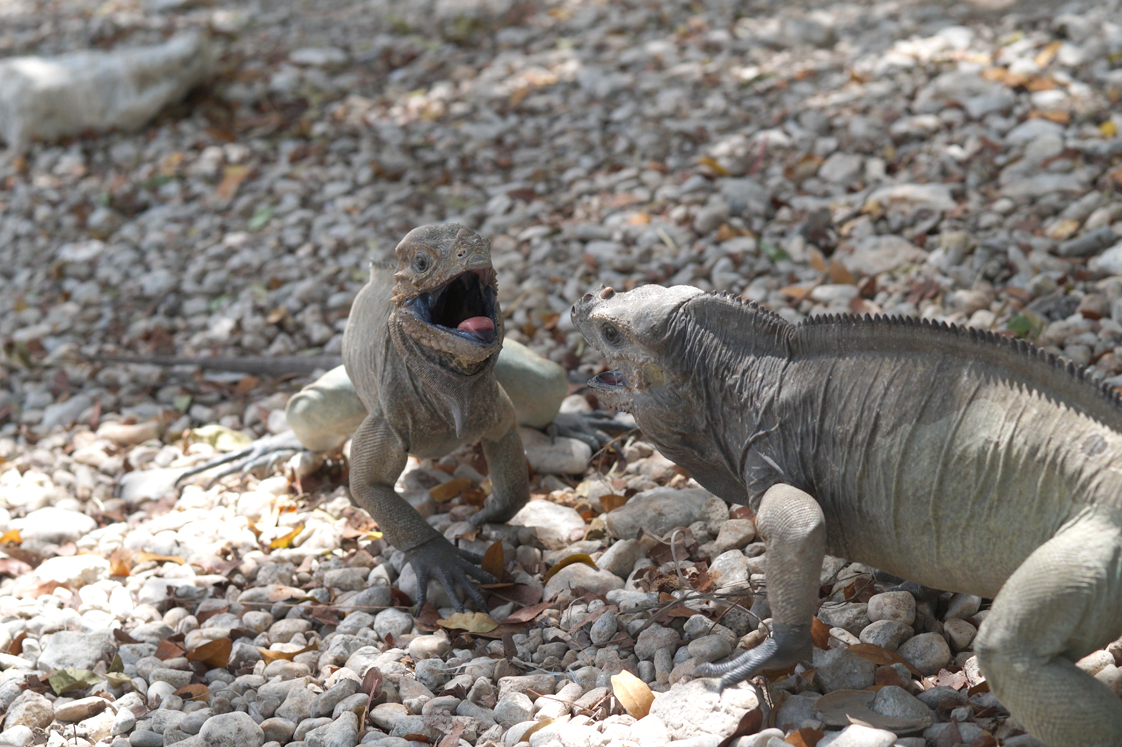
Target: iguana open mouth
x=464 y=306
x=610 y=381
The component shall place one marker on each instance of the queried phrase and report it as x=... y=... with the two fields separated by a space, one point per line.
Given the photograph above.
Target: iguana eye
x=611 y=335
x=421 y=263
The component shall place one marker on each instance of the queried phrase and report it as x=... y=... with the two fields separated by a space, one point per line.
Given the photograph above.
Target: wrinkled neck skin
x=725 y=425
x=452 y=384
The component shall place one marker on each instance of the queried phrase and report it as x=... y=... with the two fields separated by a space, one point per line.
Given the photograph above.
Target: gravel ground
x=950 y=161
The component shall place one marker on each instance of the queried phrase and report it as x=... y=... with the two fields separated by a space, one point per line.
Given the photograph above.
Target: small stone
x=899 y=606
x=851 y=616
x=963 y=606
x=710 y=648
x=735 y=534
x=579 y=575
x=604 y=629
x=654 y=638
x=840 y=670
x=513 y=708
x=960 y=633
x=81 y=709
x=560 y=456
x=234 y=729
x=145 y=738
x=56 y=525
x=887 y=634
x=856 y=735
x=556 y=525
x=30 y=709
x=842 y=168
x=341 y=732
x=658 y=510
x=17 y=736
x=927 y=652
x=277 y=729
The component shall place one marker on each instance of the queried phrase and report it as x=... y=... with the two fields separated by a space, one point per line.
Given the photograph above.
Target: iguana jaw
x=612 y=389
x=459 y=316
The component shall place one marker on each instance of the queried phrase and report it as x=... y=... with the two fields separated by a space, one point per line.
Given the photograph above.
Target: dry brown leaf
x=448 y=490
x=215 y=654
x=879 y=655
x=750 y=723
x=472 y=622
x=193 y=692
x=526 y=614
x=1108 y=128
x=632 y=693
x=639 y=219
x=612 y=501
x=232 y=177
x=493 y=559
x=286 y=540
x=817 y=261
x=536 y=728
x=805 y=737
x=845 y=707
x=144 y=557
x=10 y=537
x=168 y=650
x=1045 y=56
x=819 y=634
x=711 y=162
x=840 y=274
x=579 y=557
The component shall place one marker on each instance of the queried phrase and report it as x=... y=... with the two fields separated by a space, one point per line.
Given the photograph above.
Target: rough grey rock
x=73 y=649
x=658 y=511
x=48 y=98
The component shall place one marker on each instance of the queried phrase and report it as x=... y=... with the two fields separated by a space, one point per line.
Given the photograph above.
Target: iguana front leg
x=377 y=460
x=793 y=528
x=506 y=463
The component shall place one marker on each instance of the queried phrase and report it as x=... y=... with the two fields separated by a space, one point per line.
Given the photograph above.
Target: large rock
x=557 y=525
x=235 y=729
x=51 y=97
x=72 y=649
x=696 y=708
x=657 y=510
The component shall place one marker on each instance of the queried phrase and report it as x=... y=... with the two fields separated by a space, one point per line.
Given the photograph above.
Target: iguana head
x=445 y=291
x=632 y=330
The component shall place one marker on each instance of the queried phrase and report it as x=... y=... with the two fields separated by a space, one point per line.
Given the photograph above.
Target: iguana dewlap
x=953 y=457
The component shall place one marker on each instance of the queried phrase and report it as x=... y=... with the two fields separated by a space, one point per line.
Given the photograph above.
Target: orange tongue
x=479 y=326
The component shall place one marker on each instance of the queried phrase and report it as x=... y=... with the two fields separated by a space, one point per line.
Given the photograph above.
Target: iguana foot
x=597 y=428
x=262 y=452
x=438 y=559
x=786 y=646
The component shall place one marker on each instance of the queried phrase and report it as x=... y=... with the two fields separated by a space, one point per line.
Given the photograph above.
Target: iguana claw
x=597 y=429
x=787 y=645
x=262 y=452
x=438 y=559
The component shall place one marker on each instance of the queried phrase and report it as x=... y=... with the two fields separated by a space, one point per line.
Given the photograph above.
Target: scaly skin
x=950 y=457
x=425 y=377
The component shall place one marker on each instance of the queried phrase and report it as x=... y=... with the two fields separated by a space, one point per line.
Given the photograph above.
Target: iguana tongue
x=479 y=326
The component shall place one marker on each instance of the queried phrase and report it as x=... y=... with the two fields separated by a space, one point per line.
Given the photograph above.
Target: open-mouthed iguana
x=949 y=456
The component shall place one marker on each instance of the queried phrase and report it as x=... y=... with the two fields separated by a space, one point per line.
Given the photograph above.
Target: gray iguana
x=949 y=456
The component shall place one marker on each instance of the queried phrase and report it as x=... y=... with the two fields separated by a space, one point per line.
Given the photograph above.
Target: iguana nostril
x=587 y=297
x=607 y=293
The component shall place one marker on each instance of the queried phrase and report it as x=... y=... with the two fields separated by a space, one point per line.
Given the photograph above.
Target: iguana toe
x=262 y=452
x=597 y=429
x=455 y=569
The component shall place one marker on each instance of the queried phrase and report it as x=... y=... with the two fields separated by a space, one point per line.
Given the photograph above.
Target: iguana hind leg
x=794 y=530
x=1062 y=603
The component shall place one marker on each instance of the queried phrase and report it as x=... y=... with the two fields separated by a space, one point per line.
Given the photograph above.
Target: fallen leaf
x=750 y=723
x=168 y=650
x=144 y=557
x=194 y=692
x=70 y=679
x=536 y=728
x=215 y=654
x=805 y=737
x=1059 y=116
x=883 y=656
x=612 y=501
x=632 y=693
x=493 y=560
x=10 y=537
x=448 y=490
x=579 y=557
x=819 y=634
x=1045 y=56
x=12 y=567
x=845 y=707
x=220 y=437
x=526 y=614
x=472 y=622
x=1108 y=128
x=711 y=162
x=286 y=540
x=232 y=177
x=840 y=275
x=207 y=614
